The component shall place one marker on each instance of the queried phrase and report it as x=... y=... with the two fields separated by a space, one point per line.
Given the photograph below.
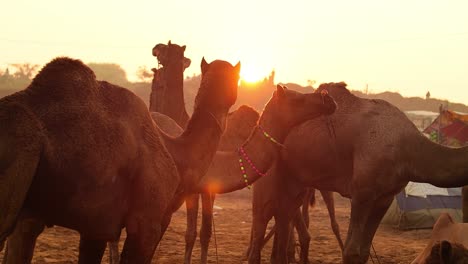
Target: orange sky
x=405 y=46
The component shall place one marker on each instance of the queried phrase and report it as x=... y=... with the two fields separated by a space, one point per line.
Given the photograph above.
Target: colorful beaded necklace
x=243 y=155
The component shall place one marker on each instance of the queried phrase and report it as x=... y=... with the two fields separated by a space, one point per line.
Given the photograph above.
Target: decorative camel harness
x=243 y=156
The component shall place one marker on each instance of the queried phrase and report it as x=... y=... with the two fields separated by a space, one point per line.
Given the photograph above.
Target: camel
x=167 y=97
x=285 y=109
x=239 y=125
x=448 y=243
x=87 y=141
x=369 y=156
x=168 y=82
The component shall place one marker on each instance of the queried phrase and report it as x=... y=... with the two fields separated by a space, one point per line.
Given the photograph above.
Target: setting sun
x=251 y=74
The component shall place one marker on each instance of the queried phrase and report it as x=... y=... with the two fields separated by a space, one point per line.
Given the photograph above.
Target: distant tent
x=420 y=204
x=452 y=128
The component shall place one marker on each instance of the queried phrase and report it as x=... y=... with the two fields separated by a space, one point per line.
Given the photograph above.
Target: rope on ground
x=375 y=253
x=214 y=228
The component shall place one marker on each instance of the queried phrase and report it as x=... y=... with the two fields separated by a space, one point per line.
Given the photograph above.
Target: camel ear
x=183 y=47
x=238 y=67
x=445 y=252
x=204 y=65
x=169 y=42
x=280 y=91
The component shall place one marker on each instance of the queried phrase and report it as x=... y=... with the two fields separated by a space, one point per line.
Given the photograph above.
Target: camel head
x=171 y=53
x=445 y=252
x=289 y=108
x=239 y=126
x=218 y=88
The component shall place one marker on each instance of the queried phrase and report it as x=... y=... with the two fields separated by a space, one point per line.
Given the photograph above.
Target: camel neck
x=436 y=164
x=167 y=95
x=194 y=149
x=225 y=173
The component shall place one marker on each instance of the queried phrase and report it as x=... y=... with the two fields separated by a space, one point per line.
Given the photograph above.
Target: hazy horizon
x=409 y=47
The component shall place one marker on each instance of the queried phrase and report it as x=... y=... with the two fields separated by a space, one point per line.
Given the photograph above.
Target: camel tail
x=20 y=147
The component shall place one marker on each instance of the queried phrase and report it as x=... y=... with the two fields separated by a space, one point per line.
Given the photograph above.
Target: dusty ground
x=232 y=223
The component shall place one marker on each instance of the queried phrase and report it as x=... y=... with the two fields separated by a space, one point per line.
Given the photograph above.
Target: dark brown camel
x=374 y=154
x=167 y=94
x=167 y=97
x=65 y=110
x=240 y=124
x=59 y=134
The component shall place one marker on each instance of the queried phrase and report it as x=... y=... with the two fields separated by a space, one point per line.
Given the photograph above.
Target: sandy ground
x=232 y=223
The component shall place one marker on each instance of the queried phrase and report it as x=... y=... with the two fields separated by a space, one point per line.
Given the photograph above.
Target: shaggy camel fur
x=101 y=119
x=448 y=243
x=60 y=143
x=369 y=157
x=167 y=94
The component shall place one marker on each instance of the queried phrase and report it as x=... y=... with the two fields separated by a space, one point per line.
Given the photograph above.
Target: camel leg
x=304 y=237
x=206 y=224
x=465 y=203
x=114 y=256
x=378 y=211
x=292 y=242
x=21 y=243
x=330 y=202
x=91 y=251
x=309 y=195
x=366 y=213
x=141 y=243
x=191 y=203
x=280 y=245
x=259 y=226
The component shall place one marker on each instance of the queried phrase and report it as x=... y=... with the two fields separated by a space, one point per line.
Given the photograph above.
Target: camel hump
x=20 y=148
x=65 y=77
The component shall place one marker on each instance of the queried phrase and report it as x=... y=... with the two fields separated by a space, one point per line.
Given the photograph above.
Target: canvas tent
x=420 y=204
x=449 y=128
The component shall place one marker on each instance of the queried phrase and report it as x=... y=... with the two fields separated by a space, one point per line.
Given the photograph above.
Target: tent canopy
x=420 y=204
x=452 y=128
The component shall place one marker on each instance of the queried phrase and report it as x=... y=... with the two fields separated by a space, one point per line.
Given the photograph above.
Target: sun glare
x=251 y=74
